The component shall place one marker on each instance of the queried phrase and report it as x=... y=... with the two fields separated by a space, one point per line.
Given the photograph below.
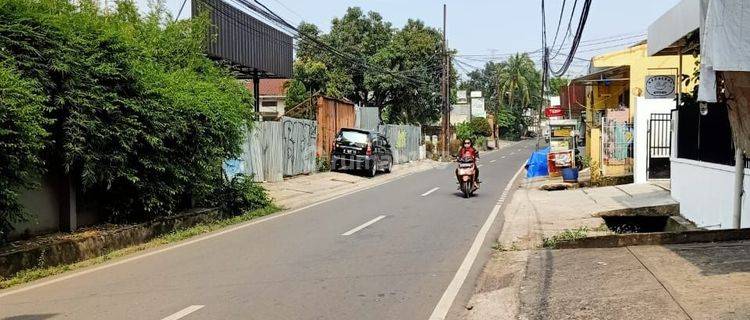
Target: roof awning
x=668 y=34
x=614 y=74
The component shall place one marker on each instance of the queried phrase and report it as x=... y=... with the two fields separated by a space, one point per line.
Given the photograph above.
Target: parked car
x=356 y=149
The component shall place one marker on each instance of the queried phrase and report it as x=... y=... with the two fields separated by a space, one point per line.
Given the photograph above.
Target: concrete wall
x=705 y=192
x=646 y=107
x=44 y=208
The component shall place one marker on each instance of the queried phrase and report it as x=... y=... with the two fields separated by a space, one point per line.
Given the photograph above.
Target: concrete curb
x=659 y=210
x=86 y=245
x=656 y=238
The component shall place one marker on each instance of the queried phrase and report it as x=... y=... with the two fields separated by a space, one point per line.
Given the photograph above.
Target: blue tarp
x=536 y=166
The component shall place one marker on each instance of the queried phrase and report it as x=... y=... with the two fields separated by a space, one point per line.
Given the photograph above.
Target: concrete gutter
x=656 y=238
x=70 y=248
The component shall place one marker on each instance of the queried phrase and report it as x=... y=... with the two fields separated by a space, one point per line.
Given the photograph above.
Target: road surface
x=388 y=252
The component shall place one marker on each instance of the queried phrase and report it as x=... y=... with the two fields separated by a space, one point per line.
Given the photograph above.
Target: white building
x=705 y=180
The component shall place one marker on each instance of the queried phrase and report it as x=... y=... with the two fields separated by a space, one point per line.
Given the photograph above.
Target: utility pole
x=444 y=91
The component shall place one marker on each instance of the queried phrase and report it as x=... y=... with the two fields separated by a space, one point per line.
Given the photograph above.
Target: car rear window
x=353 y=137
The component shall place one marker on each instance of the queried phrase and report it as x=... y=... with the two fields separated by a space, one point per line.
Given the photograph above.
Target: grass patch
x=174 y=236
x=567 y=235
x=500 y=247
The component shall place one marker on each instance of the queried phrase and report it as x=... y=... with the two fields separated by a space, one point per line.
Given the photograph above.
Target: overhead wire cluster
x=575 y=41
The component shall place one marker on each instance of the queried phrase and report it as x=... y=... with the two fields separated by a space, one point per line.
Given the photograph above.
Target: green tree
x=397 y=71
x=295 y=93
x=516 y=81
x=519 y=90
x=311 y=73
x=556 y=83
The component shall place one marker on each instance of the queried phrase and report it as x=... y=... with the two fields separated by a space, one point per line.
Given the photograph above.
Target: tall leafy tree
x=395 y=70
x=516 y=81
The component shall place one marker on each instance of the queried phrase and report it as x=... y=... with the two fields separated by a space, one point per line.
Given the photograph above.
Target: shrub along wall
x=126 y=106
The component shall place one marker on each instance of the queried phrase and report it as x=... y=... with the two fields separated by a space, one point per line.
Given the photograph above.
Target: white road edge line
x=493 y=161
x=430 y=191
x=253 y=222
x=184 y=312
x=446 y=301
x=362 y=226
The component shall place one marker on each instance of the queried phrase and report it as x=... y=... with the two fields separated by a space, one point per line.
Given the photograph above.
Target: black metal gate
x=659 y=145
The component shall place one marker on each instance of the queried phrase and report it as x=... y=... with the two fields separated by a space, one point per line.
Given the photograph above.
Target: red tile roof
x=269 y=87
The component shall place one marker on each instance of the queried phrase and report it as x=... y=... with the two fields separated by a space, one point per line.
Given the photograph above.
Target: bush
x=429 y=147
x=323 y=164
x=481 y=143
x=241 y=194
x=464 y=131
x=481 y=127
x=132 y=109
x=477 y=127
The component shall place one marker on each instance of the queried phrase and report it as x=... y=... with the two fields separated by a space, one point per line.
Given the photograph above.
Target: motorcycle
x=466 y=175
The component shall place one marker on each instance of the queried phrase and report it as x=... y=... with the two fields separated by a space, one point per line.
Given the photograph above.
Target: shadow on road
x=31 y=316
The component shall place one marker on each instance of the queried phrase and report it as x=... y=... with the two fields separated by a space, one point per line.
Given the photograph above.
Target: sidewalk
x=686 y=281
x=300 y=191
x=533 y=214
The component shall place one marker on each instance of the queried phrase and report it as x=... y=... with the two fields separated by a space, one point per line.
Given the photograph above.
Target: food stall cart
x=562 y=142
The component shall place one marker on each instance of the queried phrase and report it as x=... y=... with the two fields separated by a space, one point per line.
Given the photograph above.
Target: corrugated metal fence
x=263 y=153
x=300 y=140
x=367 y=118
x=405 y=141
x=274 y=149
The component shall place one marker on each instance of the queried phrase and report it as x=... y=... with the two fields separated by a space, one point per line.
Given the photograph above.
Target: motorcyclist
x=468 y=150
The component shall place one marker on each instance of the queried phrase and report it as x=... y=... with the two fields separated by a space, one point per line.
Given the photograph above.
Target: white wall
x=705 y=192
x=644 y=109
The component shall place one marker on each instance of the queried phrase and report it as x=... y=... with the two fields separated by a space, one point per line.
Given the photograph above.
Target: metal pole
x=256 y=94
x=739 y=177
x=444 y=89
x=570 y=108
x=679 y=78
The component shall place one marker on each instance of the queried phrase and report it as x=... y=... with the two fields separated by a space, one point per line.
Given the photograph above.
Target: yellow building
x=614 y=88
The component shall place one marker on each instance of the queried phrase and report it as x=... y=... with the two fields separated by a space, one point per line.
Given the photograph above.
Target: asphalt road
x=388 y=252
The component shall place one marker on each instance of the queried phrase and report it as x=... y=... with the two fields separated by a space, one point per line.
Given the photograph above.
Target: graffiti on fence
x=299 y=140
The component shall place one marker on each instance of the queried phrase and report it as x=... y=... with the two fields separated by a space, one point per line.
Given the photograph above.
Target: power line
x=559 y=23
x=270 y=14
x=584 y=43
x=180 y=12
x=576 y=39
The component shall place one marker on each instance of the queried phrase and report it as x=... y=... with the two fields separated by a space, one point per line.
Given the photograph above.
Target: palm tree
x=516 y=79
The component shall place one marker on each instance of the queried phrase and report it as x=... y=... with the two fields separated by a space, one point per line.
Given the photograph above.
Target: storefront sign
x=660 y=87
x=554 y=111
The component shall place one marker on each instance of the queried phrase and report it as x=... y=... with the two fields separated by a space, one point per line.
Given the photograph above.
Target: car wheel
x=388 y=167
x=373 y=169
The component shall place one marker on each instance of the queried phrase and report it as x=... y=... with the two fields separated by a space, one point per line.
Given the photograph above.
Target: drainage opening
x=636 y=224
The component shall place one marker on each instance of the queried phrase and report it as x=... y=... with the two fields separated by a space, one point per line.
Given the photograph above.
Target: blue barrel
x=570 y=174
